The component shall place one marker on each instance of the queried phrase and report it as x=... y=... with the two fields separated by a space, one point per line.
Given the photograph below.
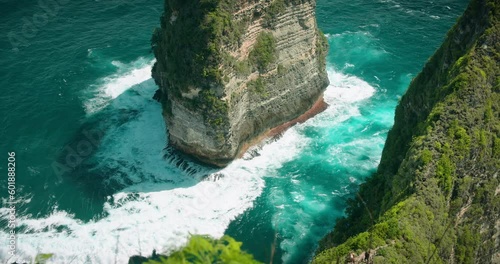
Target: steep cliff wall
x=436 y=195
x=229 y=71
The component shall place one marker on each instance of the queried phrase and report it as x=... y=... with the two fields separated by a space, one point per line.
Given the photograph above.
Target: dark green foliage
x=444 y=173
x=204 y=250
x=190 y=49
x=190 y=40
x=436 y=180
x=468 y=241
x=243 y=68
x=272 y=12
x=496 y=148
x=488 y=113
x=264 y=52
x=258 y=86
x=214 y=109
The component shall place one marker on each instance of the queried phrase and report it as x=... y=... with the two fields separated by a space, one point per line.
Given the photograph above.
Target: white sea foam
x=297 y=209
x=347 y=89
x=112 y=86
x=164 y=204
x=343 y=95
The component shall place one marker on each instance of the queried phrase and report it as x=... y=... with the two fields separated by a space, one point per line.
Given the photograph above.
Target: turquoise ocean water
x=95 y=183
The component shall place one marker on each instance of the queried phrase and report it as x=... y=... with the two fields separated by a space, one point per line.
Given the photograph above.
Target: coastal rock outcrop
x=231 y=71
x=436 y=195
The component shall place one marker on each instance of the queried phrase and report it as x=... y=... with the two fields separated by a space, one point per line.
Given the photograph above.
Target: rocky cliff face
x=436 y=195
x=230 y=71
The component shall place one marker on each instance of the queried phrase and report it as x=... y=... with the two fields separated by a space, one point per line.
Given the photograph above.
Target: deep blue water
x=76 y=80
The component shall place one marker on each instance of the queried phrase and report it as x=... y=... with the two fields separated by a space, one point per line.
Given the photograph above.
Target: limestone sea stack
x=232 y=71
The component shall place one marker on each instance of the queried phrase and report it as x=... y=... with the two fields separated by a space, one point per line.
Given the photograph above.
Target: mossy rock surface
x=433 y=198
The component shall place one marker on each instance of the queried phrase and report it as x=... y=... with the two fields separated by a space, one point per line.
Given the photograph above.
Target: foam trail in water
x=346 y=89
x=343 y=96
x=300 y=201
x=112 y=86
x=160 y=204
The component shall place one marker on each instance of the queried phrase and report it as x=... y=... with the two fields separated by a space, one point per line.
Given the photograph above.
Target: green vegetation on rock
x=192 y=40
x=434 y=197
x=264 y=51
x=272 y=12
x=191 y=36
x=258 y=86
x=214 y=112
x=321 y=49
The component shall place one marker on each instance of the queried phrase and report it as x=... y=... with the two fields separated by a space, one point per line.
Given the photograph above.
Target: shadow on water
x=110 y=154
